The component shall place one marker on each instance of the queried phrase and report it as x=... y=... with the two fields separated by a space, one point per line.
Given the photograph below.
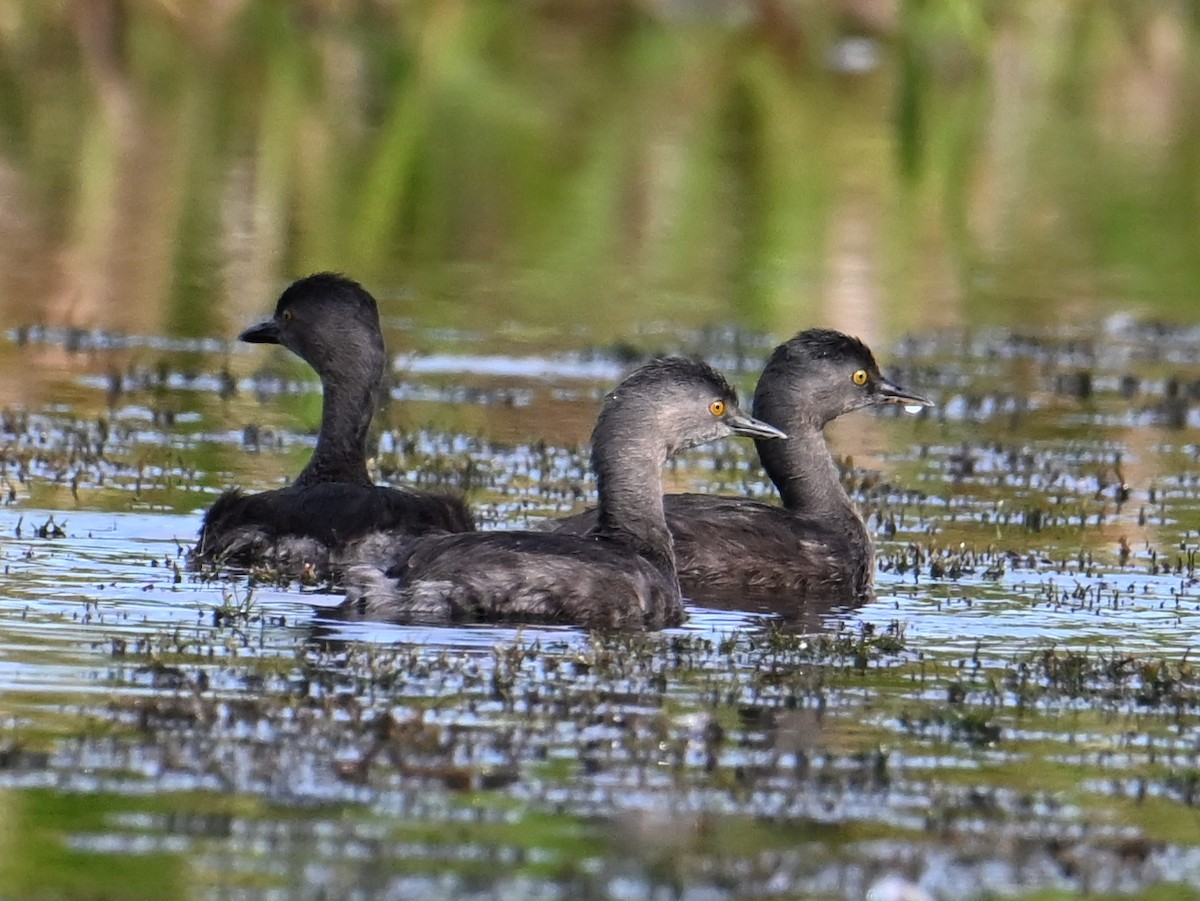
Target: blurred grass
x=876 y=166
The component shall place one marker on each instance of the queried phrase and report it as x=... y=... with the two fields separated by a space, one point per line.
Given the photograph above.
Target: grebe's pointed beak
x=890 y=393
x=263 y=333
x=749 y=427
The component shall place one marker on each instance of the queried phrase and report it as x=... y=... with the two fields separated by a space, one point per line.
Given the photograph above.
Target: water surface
x=1001 y=201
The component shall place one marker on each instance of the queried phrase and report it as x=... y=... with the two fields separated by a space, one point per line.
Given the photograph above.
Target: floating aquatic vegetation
x=1011 y=710
x=705 y=758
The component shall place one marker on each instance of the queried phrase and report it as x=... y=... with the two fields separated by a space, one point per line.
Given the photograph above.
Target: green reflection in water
x=476 y=163
x=36 y=860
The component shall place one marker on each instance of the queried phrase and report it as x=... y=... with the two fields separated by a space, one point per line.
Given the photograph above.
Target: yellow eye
x=717 y=408
x=860 y=377
x=287 y=315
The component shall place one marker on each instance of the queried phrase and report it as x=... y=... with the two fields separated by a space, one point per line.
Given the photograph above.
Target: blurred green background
x=594 y=168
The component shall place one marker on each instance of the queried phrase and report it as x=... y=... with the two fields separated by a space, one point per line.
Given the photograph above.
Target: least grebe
x=621 y=574
x=733 y=549
x=332 y=513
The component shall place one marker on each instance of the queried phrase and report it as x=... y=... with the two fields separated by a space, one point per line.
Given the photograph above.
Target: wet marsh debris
x=89 y=455
x=236 y=608
x=50 y=529
x=430 y=460
x=1088 y=373
x=953 y=725
x=229 y=576
x=1106 y=679
x=775 y=758
x=1094 y=570
x=47 y=530
x=776 y=731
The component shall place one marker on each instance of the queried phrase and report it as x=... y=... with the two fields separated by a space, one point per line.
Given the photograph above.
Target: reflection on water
x=1000 y=200
x=1048 y=501
x=479 y=164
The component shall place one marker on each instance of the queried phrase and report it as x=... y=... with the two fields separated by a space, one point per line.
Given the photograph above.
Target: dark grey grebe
x=733 y=549
x=621 y=574
x=332 y=513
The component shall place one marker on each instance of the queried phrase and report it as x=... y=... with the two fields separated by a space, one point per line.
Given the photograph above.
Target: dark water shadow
x=756 y=611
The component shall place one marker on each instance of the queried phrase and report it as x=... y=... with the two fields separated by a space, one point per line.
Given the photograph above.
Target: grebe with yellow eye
x=734 y=551
x=621 y=573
